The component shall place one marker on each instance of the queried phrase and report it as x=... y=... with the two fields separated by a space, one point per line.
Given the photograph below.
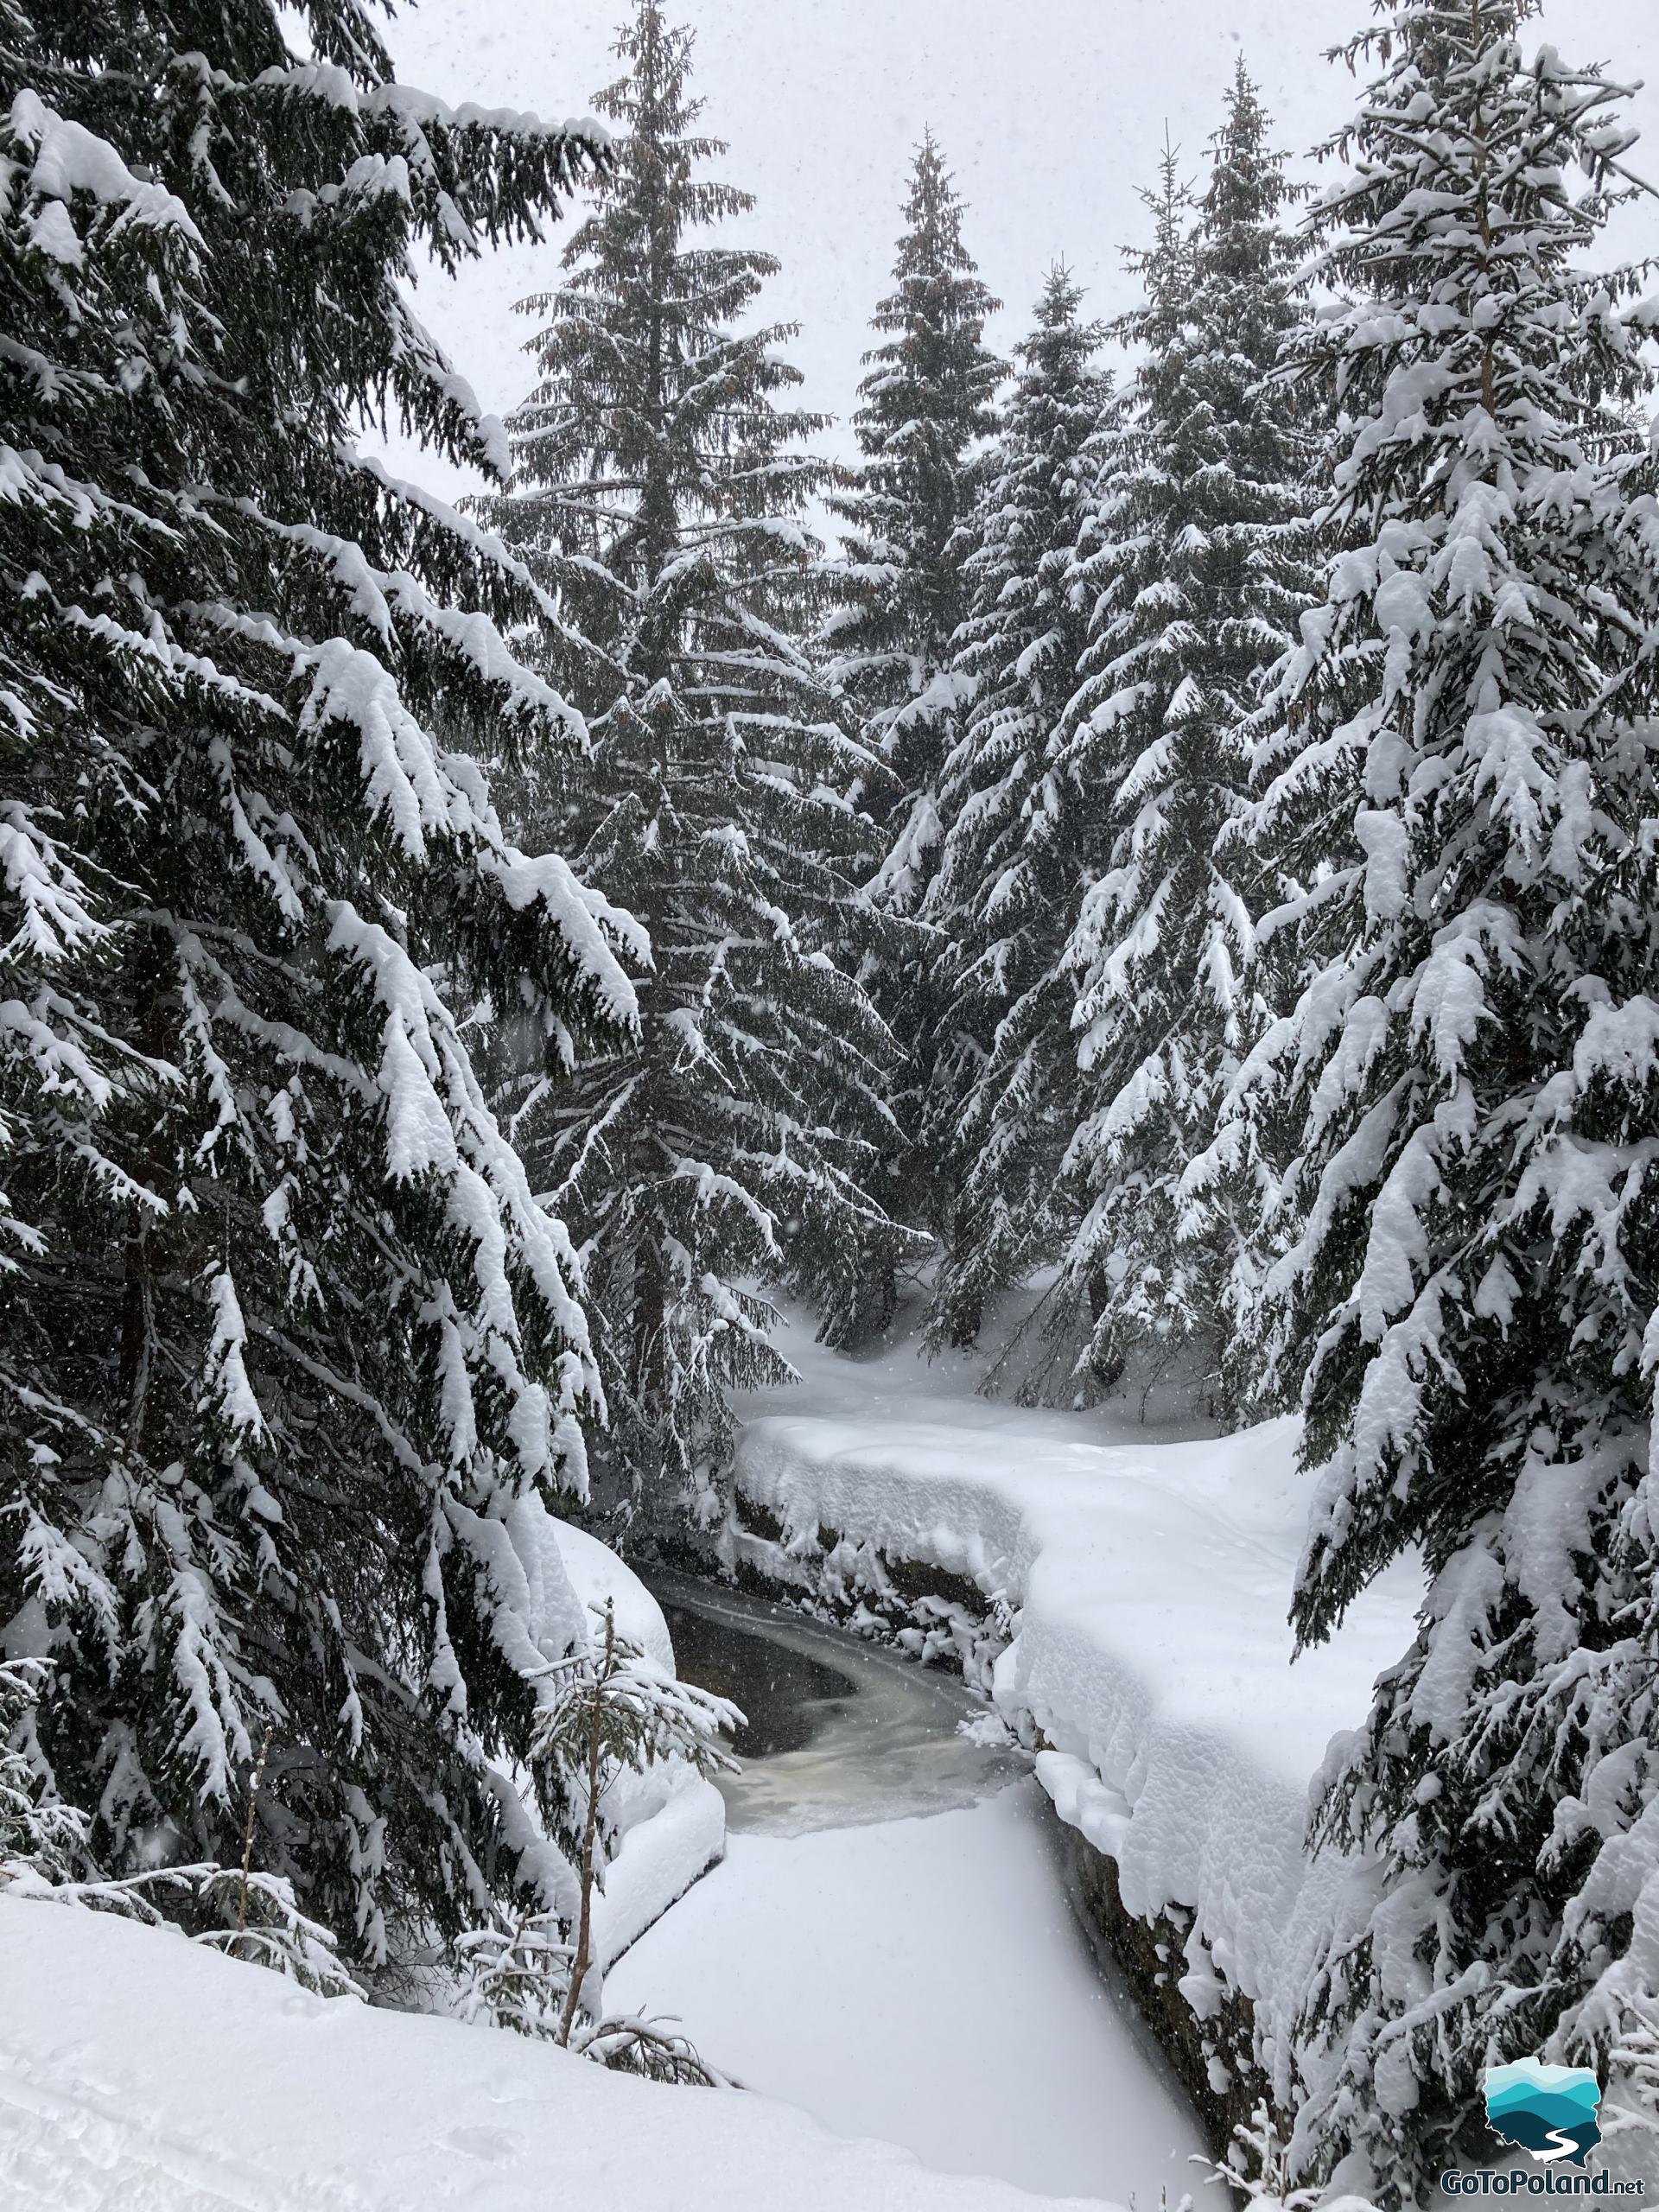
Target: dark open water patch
x=841 y=1731
x=787 y=1697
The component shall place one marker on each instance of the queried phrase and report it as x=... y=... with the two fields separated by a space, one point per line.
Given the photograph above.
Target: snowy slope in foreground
x=139 y=2073
x=1153 y=1580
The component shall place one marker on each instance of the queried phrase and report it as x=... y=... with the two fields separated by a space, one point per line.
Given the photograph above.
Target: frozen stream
x=888 y=1941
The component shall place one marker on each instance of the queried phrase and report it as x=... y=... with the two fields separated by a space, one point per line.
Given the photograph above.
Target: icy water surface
x=840 y=1732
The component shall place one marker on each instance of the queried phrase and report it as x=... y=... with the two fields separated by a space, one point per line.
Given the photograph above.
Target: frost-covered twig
x=1257 y=2168
x=654 y=2049
x=234 y=1910
x=39 y=1839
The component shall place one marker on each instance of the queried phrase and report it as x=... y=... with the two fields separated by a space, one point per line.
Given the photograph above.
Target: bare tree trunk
x=247 y=1832
x=650 y=1360
x=138 y=1326
x=968 y=1314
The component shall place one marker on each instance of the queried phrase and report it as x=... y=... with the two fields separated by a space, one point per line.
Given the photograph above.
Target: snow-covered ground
x=924 y=1980
x=1152 y=1574
x=913 y=1977
x=139 y=2073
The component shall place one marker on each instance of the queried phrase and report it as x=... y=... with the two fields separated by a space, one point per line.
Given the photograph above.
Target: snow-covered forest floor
x=920 y=1979
x=137 y=2072
x=888 y=1945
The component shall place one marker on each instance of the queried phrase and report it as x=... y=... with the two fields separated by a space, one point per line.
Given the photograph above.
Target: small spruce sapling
x=614 y=1711
x=1257 y=2171
x=611 y=1710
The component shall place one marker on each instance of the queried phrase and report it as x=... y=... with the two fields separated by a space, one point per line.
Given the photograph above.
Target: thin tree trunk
x=650 y=1323
x=579 y=1963
x=138 y=1326
x=247 y=1832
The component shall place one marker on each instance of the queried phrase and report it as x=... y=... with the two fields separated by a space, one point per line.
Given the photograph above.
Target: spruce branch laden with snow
x=46 y=1857
x=285 y=1337
x=42 y=1840
x=1463 y=805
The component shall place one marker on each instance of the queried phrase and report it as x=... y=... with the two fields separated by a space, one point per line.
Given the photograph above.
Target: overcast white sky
x=1052 y=113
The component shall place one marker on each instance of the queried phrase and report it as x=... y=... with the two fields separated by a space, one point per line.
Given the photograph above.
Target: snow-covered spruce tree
x=1198 y=571
x=926 y=405
x=1000 y=1104
x=1466 y=747
x=616 y=1711
x=657 y=492
x=285 y=1343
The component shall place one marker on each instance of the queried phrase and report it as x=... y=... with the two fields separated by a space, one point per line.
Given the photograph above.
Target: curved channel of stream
x=888 y=1941
x=839 y=1732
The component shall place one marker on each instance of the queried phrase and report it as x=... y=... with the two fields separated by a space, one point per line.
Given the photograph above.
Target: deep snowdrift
x=924 y=1979
x=1151 y=1576
x=139 y=2073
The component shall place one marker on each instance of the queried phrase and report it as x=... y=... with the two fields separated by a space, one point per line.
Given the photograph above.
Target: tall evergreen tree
x=1198 y=579
x=927 y=403
x=658 y=488
x=999 y=1110
x=287 y=1352
x=1466 y=746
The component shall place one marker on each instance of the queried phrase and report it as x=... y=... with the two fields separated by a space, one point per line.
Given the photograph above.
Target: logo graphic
x=1548 y=2110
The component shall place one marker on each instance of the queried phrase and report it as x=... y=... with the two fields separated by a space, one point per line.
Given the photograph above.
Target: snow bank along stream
x=1123 y=1596
x=888 y=1943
